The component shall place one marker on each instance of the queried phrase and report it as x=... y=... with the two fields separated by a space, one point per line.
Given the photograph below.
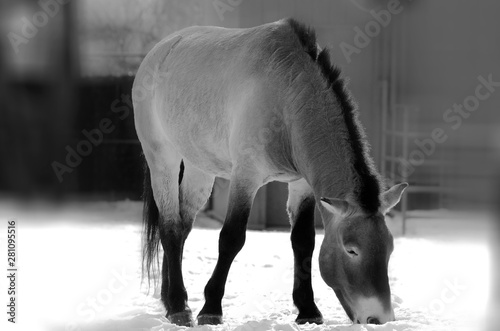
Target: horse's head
x=354 y=257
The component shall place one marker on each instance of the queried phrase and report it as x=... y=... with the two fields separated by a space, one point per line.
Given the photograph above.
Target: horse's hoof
x=304 y=320
x=209 y=319
x=184 y=318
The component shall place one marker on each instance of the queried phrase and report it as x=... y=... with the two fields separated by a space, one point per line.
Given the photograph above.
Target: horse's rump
x=219 y=91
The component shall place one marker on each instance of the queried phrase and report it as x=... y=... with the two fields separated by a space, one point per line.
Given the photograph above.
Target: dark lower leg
x=174 y=295
x=231 y=240
x=302 y=238
x=164 y=283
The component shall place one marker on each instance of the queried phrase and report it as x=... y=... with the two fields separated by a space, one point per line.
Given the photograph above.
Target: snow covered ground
x=79 y=269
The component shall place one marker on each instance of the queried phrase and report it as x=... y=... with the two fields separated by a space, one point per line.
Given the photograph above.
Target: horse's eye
x=352 y=252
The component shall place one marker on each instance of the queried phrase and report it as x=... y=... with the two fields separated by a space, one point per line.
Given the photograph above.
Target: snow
x=79 y=269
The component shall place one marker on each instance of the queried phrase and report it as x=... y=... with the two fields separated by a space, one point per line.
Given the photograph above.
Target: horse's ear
x=392 y=196
x=335 y=206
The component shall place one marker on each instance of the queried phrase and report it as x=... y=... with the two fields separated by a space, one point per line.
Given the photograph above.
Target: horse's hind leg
x=301 y=204
x=164 y=166
x=194 y=191
x=232 y=238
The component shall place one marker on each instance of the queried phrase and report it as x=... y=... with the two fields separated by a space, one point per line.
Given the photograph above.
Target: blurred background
x=425 y=74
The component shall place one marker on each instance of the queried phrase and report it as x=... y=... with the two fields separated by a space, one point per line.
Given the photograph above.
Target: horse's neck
x=322 y=152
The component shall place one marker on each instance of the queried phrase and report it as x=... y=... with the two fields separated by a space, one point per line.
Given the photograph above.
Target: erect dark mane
x=307 y=37
x=369 y=189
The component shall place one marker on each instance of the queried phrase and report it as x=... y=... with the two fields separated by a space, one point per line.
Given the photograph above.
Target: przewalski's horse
x=253 y=106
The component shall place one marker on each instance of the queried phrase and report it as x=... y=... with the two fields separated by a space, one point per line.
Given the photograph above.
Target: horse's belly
x=209 y=161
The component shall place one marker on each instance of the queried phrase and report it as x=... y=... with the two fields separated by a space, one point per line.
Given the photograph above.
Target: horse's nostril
x=372 y=320
x=357 y=322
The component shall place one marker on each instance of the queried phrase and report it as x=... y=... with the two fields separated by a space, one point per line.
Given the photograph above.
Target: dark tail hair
x=151 y=230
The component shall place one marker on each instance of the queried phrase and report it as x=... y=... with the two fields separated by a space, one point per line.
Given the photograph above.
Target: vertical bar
x=441 y=178
x=385 y=134
x=392 y=93
x=393 y=140
x=404 y=206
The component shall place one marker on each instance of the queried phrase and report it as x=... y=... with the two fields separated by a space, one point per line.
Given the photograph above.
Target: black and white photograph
x=250 y=165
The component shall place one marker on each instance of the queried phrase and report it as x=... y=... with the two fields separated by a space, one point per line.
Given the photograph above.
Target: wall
x=446 y=46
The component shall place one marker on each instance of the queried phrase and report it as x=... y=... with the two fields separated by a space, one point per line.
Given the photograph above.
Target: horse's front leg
x=301 y=204
x=231 y=240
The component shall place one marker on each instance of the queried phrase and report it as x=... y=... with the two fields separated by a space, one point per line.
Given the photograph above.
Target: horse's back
x=212 y=90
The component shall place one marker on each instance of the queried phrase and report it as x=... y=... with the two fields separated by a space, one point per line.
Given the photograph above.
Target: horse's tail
x=151 y=230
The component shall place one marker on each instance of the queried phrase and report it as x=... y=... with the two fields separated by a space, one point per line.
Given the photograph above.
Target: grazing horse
x=258 y=105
